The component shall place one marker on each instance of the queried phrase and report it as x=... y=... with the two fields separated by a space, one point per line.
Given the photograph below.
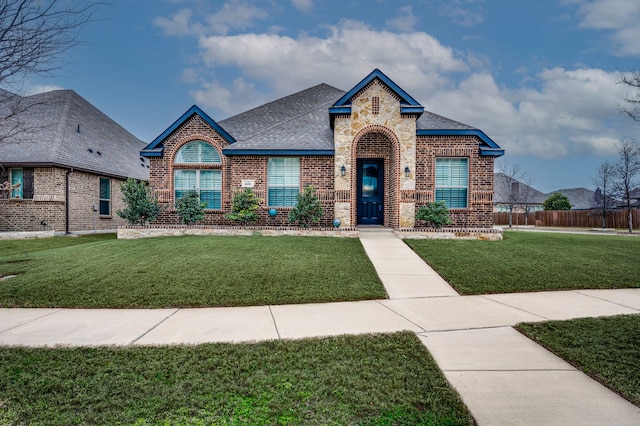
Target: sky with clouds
x=539 y=77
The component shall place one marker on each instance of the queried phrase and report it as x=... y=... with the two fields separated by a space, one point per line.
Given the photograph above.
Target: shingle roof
x=63 y=129
x=431 y=121
x=501 y=191
x=296 y=122
x=301 y=123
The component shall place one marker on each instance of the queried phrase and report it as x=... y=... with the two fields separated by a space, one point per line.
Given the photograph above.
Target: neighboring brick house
x=373 y=153
x=69 y=159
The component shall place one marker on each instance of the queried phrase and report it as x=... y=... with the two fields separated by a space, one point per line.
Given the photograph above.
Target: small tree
x=517 y=189
x=141 y=205
x=604 y=184
x=244 y=206
x=190 y=209
x=308 y=209
x=434 y=214
x=626 y=176
x=557 y=201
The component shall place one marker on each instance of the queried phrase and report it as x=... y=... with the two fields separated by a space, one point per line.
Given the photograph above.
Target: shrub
x=141 y=205
x=557 y=201
x=308 y=209
x=190 y=209
x=244 y=206
x=434 y=214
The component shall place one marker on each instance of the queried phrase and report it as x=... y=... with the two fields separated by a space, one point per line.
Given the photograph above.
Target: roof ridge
x=278 y=100
x=64 y=117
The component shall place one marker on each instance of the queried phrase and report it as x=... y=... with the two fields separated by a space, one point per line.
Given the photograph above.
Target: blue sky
x=539 y=77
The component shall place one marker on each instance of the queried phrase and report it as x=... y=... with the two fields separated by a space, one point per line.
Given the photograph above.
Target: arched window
x=206 y=180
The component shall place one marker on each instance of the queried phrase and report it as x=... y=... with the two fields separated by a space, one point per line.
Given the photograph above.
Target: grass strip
x=388 y=379
x=527 y=261
x=607 y=349
x=191 y=271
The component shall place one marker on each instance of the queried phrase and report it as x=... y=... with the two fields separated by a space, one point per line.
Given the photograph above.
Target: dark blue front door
x=370 y=192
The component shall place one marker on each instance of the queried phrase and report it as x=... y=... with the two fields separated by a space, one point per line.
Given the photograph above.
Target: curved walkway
x=503 y=377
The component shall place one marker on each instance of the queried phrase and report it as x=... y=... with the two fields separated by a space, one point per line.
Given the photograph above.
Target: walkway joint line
x=275 y=324
x=379 y=302
x=154 y=327
x=604 y=300
x=484 y=296
x=32 y=320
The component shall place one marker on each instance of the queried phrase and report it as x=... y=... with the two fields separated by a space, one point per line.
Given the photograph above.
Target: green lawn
x=527 y=261
x=25 y=247
x=186 y=272
x=607 y=349
x=369 y=380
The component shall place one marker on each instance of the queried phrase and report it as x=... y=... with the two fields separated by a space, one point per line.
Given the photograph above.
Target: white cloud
x=179 y=24
x=572 y=113
x=466 y=13
x=302 y=5
x=349 y=52
x=558 y=113
x=42 y=88
x=621 y=17
x=233 y=15
x=405 y=21
x=215 y=95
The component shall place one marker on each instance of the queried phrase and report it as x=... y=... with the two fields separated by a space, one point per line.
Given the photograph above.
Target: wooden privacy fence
x=570 y=218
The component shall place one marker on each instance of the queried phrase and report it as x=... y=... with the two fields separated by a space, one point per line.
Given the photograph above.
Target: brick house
x=69 y=159
x=373 y=153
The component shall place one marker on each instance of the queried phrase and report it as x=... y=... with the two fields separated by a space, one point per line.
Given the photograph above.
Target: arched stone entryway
x=375 y=150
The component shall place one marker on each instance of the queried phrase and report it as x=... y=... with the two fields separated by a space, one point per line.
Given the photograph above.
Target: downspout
x=66 y=201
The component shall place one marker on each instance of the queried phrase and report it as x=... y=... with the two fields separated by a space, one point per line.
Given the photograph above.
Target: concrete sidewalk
x=503 y=377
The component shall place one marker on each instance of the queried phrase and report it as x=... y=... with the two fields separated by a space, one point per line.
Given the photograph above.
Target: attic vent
x=90 y=150
x=375 y=105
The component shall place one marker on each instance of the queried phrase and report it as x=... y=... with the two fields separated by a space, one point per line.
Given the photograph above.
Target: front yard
x=527 y=261
x=367 y=380
x=101 y=272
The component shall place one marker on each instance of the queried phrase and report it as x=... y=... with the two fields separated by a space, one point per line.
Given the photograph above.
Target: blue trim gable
x=491 y=148
x=323 y=152
x=408 y=105
x=156 y=148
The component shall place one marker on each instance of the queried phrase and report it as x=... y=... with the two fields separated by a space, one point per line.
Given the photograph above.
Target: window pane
x=283 y=180
x=198 y=152
x=105 y=207
x=452 y=177
x=105 y=191
x=212 y=198
x=185 y=179
x=16 y=178
x=209 y=154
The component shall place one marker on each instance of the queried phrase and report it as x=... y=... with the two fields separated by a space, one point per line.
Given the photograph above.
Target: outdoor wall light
x=407 y=171
x=343 y=170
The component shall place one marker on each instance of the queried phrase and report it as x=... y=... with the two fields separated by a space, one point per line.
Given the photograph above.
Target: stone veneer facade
x=375 y=129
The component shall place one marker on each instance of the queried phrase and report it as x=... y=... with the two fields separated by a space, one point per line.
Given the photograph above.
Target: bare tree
x=517 y=193
x=631 y=107
x=627 y=176
x=34 y=35
x=604 y=183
